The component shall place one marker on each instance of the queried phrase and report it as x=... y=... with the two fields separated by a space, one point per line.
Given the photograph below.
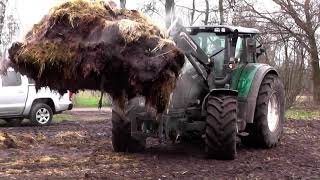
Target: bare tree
x=221 y=11
x=193 y=12
x=169 y=8
x=123 y=3
x=152 y=8
x=292 y=70
x=283 y=51
x=207 y=13
x=10 y=30
x=299 y=19
x=199 y=12
x=3 y=5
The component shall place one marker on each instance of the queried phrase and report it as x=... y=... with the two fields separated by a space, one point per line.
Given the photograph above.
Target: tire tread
x=221 y=127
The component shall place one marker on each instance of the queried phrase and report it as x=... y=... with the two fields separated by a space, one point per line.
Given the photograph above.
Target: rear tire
x=221 y=128
x=41 y=114
x=121 y=132
x=267 y=127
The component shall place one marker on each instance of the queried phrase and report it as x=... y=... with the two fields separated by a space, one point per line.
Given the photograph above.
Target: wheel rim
x=43 y=115
x=273 y=113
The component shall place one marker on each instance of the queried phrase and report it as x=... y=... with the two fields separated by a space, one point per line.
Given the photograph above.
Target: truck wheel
x=41 y=114
x=221 y=128
x=268 y=122
x=121 y=133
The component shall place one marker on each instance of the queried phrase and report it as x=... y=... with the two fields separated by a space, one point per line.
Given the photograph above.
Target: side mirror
x=260 y=51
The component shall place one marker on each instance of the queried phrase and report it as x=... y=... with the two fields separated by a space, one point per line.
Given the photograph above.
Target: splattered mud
x=82 y=149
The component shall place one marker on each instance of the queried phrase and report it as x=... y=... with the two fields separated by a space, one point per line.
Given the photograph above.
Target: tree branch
x=196 y=10
x=282 y=25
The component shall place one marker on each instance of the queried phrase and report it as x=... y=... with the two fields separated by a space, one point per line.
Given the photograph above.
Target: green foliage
x=90 y=99
x=302 y=114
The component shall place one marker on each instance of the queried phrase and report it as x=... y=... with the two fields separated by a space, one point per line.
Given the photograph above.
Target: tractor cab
x=225 y=45
x=218 y=50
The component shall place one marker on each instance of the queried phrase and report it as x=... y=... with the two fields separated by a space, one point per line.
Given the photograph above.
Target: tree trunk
x=193 y=11
x=123 y=4
x=315 y=70
x=206 y=18
x=3 y=5
x=316 y=81
x=169 y=7
x=221 y=12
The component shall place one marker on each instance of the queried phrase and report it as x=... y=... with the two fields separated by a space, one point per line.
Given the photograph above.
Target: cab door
x=13 y=93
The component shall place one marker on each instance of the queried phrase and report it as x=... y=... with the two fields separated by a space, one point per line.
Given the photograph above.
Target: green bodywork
x=243 y=76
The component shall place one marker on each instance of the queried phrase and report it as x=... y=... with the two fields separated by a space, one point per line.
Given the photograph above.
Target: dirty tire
x=260 y=135
x=221 y=128
x=36 y=110
x=121 y=134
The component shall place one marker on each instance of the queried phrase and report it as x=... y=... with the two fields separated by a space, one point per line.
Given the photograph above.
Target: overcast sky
x=30 y=12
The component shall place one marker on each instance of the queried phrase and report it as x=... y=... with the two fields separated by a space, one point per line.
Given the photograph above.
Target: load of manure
x=89 y=45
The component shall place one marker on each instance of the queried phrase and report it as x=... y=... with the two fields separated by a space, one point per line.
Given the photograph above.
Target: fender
x=248 y=96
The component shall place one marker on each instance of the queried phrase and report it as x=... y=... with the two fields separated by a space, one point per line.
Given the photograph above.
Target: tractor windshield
x=210 y=43
x=214 y=46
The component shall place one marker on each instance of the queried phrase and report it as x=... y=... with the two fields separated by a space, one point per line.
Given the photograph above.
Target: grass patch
x=90 y=99
x=302 y=114
x=62 y=117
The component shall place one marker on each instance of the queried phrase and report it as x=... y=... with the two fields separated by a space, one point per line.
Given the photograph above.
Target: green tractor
x=222 y=96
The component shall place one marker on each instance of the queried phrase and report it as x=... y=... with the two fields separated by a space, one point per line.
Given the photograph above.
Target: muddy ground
x=82 y=149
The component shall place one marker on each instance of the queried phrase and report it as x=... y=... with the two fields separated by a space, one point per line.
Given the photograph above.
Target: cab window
x=242 y=53
x=210 y=43
x=240 y=50
x=11 y=79
x=214 y=46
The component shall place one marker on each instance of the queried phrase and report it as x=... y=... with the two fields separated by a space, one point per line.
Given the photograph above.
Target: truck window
x=11 y=79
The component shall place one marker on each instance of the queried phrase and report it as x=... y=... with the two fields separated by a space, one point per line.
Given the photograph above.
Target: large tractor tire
x=267 y=127
x=121 y=130
x=221 y=128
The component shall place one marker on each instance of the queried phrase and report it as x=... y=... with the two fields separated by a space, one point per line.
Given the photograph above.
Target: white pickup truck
x=19 y=100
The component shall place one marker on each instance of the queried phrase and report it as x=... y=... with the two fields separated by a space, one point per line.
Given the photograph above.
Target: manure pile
x=89 y=45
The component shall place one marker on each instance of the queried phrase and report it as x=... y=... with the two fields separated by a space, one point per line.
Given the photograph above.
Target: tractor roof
x=226 y=28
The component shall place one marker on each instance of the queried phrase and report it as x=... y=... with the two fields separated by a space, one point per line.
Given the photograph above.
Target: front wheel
x=121 y=130
x=268 y=122
x=221 y=128
x=41 y=114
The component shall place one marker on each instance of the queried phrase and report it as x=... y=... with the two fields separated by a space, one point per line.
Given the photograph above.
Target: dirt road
x=82 y=149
